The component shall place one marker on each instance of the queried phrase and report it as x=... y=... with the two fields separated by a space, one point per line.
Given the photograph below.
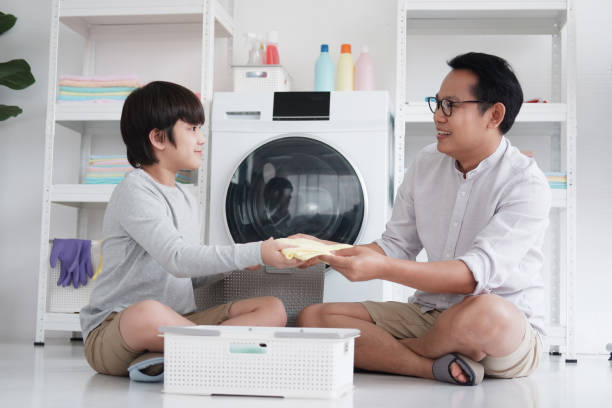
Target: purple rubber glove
x=85 y=268
x=74 y=256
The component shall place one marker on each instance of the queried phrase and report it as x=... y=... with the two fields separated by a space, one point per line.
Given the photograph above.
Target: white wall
x=303 y=26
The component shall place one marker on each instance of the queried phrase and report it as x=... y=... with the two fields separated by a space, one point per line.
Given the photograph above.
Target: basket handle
x=256 y=74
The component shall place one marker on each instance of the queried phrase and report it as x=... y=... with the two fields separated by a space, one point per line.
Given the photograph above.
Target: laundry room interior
x=319 y=117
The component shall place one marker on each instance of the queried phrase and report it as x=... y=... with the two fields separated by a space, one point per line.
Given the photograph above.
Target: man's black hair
x=496 y=83
x=157 y=105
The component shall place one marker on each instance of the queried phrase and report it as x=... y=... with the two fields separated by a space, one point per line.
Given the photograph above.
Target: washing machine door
x=291 y=185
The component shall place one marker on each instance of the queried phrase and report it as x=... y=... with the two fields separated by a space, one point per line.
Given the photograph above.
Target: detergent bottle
x=364 y=71
x=272 y=57
x=345 y=69
x=324 y=71
x=255 y=57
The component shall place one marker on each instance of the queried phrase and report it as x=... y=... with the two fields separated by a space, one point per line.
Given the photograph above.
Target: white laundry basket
x=261 y=78
x=264 y=361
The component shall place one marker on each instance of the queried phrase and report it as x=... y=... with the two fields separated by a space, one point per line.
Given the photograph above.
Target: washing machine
x=318 y=163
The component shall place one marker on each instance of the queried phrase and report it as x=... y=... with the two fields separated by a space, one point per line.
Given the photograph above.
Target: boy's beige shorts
x=107 y=352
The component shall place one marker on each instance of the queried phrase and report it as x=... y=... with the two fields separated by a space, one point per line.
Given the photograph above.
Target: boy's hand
x=358 y=263
x=271 y=255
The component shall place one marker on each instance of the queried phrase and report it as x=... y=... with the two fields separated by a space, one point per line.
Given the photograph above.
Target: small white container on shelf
x=264 y=361
x=68 y=299
x=261 y=78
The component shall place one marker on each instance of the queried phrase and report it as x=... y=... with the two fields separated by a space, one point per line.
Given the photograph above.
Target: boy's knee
x=150 y=307
x=150 y=314
x=276 y=308
x=310 y=316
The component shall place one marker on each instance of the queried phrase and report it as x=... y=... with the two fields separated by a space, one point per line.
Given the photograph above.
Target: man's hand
x=358 y=263
x=271 y=255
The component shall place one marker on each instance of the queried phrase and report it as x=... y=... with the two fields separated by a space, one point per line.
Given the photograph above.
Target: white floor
x=57 y=375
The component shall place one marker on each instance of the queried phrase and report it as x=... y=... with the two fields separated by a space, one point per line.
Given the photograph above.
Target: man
x=480 y=210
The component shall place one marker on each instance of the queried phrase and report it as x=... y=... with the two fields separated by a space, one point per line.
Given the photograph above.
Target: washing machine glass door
x=295 y=184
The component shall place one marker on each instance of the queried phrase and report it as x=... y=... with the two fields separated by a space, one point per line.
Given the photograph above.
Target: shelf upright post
x=207 y=67
x=399 y=131
x=43 y=266
x=571 y=134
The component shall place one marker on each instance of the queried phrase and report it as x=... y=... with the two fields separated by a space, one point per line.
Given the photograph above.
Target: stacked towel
x=96 y=88
x=108 y=169
x=557 y=180
x=111 y=169
x=185 y=176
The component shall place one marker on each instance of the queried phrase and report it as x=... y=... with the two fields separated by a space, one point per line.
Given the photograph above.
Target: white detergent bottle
x=254 y=52
x=324 y=71
x=364 y=71
x=345 y=69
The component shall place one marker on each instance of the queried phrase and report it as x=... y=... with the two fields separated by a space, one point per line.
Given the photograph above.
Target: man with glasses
x=480 y=210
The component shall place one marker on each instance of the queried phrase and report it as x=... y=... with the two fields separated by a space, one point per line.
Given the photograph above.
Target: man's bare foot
x=458 y=373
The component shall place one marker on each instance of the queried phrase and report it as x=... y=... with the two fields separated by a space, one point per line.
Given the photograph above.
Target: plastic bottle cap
x=272 y=36
x=345 y=49
x=324 y=48
x=365 y=49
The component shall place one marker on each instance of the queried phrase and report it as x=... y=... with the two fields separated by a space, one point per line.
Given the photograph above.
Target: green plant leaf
x=16 y=74
x=8 y=111
x=6 y=22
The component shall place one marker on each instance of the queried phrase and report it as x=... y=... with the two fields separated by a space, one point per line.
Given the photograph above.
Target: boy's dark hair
x=157 y=105
x=496 y=83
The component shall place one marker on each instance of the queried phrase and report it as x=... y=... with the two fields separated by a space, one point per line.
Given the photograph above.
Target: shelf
x=80 y=14
x=71 y=194
x=62 y=321
x=485 y=16
x=76 y=194
x=75 y=115
x=418 y=112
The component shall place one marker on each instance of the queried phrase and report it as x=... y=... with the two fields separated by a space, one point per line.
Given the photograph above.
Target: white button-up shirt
x=494 y=220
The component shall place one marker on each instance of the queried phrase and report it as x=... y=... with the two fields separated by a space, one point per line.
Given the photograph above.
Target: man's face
x=460 y=134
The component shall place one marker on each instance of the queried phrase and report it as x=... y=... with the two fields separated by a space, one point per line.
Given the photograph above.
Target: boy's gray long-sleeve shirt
x=152 y=249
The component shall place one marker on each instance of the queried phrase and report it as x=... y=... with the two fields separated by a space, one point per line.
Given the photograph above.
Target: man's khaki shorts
x=405 y=320
x=107 y=352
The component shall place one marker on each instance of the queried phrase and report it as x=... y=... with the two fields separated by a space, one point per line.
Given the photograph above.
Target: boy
x=480 y=209
x=151 y=246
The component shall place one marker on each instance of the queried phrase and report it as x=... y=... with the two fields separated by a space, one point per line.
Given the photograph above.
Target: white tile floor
x=57 y=375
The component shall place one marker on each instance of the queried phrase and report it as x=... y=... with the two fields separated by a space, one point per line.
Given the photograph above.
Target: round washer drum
x=292 y=185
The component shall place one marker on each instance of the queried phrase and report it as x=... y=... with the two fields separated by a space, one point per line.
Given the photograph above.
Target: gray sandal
x=472 y=369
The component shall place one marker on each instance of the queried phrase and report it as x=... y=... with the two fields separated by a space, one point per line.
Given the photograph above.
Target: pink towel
x=104 y=78
x=99 y=84
x=91 y=101
x=108 y=169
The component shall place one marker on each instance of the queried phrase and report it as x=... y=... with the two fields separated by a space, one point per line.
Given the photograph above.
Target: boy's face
x=187 y=154
x=462 y=133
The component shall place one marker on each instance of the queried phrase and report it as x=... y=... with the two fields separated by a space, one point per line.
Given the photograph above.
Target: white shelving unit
x=114 y=20
x=554 y=18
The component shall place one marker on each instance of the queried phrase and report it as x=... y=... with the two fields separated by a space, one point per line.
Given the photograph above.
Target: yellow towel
x=304 y=249
x=96 y=257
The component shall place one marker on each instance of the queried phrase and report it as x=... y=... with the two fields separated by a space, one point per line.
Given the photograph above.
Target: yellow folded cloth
x=304 y=249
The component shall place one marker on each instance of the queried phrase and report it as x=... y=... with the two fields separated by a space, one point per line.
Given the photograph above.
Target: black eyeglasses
x=445 y=104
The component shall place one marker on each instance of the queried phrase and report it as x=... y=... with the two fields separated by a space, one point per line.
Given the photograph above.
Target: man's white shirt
x=494 y=220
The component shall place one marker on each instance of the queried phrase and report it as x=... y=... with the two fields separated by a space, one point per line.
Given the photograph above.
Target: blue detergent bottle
x=324 y=71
